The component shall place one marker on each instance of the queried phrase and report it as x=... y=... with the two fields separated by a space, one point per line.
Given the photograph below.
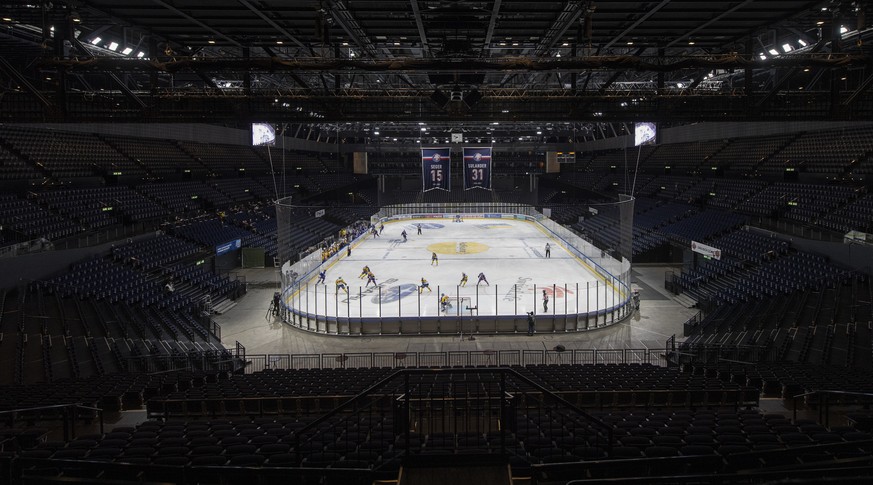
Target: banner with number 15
x=435 y=168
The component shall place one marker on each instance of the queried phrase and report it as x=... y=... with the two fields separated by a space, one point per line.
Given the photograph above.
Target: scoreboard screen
x=565 y=157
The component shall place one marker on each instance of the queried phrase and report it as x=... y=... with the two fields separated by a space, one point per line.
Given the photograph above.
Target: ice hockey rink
x=510 y=253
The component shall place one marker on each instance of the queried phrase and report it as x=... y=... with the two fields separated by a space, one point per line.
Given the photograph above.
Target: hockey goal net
x=459 y=305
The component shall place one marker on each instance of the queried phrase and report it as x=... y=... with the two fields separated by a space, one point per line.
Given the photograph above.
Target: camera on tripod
x=275 y=305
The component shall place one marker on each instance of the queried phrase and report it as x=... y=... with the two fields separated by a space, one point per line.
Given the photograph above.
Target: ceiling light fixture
x=127 y=50
x=113 y=46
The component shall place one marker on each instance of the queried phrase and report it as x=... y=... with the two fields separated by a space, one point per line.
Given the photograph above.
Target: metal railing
x=824 y=402
x=714 y=353
x=227 y=360
x=466 y=358
x=68 y=413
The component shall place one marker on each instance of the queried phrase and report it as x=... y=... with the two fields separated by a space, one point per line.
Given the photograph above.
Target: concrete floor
x=659 y=317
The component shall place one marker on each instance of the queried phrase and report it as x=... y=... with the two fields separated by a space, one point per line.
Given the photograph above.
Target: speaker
x=472 y=98
x=439 y=98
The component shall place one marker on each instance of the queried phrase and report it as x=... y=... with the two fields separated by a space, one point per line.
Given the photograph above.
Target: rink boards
x=509 y=250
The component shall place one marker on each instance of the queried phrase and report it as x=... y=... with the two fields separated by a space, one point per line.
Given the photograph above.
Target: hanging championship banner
x=477 y=168
x=435 y=168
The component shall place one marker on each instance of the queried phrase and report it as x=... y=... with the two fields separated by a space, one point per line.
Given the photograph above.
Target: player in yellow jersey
x=341 y=285
x=424 y=284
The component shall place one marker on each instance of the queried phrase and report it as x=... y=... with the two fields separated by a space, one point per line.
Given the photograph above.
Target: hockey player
x=404 y=235
x=321 y=277
x=434 y=260
x=463 y=279
x=444 y=302
x=545 y=302
x=364 y=272
x=548 y=251
x=481 y=279
x=371 y=278
x=381 y=228
x=424 y=284
x=419 y=229
x=341 y=285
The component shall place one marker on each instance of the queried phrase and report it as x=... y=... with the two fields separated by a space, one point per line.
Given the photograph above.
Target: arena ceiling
x=348 y=64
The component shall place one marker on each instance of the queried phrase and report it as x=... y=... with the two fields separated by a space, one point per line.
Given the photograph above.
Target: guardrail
x=68 y=413
x=465 y=358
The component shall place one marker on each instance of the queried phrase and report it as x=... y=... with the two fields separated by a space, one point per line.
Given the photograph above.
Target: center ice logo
x=394 y=293
x=457 y=247
x=556 y=292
